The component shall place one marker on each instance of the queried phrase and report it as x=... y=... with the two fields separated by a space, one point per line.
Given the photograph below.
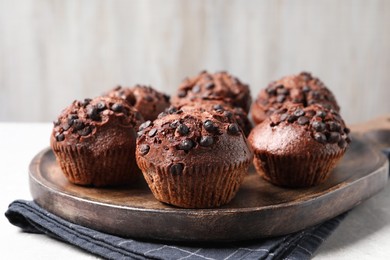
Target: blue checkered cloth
x=301 y=245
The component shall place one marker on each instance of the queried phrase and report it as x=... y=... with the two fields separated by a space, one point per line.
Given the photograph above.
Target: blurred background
x=53 y=52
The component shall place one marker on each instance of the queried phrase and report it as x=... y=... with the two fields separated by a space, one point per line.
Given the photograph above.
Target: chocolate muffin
x=221 y=110
x=301 y=89
x=194 y=159
x=299 y=146
x=94 y=142
x=148 y=101
x=218 y=86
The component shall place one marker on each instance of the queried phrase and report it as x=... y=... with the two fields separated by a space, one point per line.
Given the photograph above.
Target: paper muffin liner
x=196 y=187
x=295 y=171
x=110 y=168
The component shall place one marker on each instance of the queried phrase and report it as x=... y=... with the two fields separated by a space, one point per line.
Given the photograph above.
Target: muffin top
x=222 y=109
x=295 y=129
x=301 y=89
x=180 y=139
x=218 y=86
x=85 y=121
x=148 y=101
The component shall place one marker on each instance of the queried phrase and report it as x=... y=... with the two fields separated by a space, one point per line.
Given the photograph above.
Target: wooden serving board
x=260 y=209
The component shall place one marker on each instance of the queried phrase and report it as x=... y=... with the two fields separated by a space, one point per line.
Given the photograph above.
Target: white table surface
x=364 y=234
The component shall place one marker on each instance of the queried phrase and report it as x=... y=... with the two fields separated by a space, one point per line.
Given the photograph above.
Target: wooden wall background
x=55 y=51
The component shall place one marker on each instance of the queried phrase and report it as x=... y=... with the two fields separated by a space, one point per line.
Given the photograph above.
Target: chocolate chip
x=78 y=124
x=291 y=118
x=152 y=132
x=139 y=133
x=182 y=129
x=174 y=124
x=240 y=122
x=282 y=91
x=316 y=94
x=280 y=98
x=217 y=107
x=306 y=89
x=342 y=143
x=93 y=113
x=209 y=85
x=162 y=114
x=310 y=113
x=334 y=137
x=283 y=117
x=305 y=75
x=209 y=126
x=206 y=140
x=166 y=98
x=182 y=93
x=196 y=89
x=333 y=126
x=72 y=116
x=60 y=137
x=176 y=168
x=101 y=106
x=271 y=90
x=320 y=137
x=148 y=98
x=318 y=126
x=347 y=130
x=56 y=122
x=86 y=102
x=233 y=129
x=303 y=120
x=227 y=114
x=185 y=145
x=321 y=114
x=348 y=139
x=117 y=107
x=299 y=112
x=171 y=110
x=144 y=125
x=334 y=112
x=144 y=149
x=85 y=131
x=70 y=121
x=205 y=96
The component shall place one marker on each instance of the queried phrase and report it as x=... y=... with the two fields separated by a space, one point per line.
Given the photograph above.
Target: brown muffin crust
x=218 y=86
x=298 y=146
x=301 y=89
x=193 y=159
x=148 y=101
x=223 y=110
x=87 y=132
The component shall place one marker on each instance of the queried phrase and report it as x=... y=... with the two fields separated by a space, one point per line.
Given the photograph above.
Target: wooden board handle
x=377 y=131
